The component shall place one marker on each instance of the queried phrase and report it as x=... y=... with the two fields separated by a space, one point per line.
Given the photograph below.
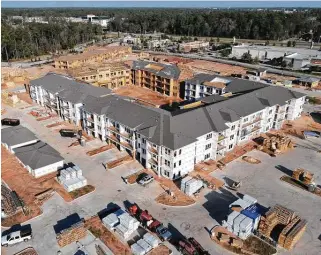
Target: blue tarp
x=252 y=212
x=311 y=133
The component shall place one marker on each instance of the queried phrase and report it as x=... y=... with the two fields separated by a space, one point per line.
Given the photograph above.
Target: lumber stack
x=72 y=234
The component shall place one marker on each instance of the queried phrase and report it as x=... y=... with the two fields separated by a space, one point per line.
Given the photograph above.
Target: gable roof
x=38 y=155
x=17 y=135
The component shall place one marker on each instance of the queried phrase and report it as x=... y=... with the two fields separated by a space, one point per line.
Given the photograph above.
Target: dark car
x=68 y=132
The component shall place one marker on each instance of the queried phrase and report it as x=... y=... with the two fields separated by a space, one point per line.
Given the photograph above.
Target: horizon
x=159 y=4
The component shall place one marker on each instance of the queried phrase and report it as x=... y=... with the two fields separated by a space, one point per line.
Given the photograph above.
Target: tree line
x=29 y=40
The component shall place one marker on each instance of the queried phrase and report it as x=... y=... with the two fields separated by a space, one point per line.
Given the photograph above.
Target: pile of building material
x=251 y=160
x=10 y=202
x=243 y=221
x=145 y=245
x=275 y=143
x=71 y=234
x=124 y=224
x=293 y=230
x=191 y=185
x=71 y=178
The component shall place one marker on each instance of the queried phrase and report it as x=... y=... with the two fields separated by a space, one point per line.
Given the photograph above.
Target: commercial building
x=270 y=52
x=172 y=142
x=158 y=43
x=109 y=75
x=39 y=158
x=193 y=46
x=297 y=61
x=92 y=56
x=18 y=136
x=159 y=77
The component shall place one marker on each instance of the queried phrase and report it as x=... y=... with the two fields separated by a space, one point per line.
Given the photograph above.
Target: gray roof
x=17 y=135
x=242 y=86
x=38 y=155
x=200 y=78
x=212 y=99
x=168 y=71
x=68 y=88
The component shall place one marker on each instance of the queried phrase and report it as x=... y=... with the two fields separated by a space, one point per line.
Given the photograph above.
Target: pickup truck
x=16 y=237
x=10 y=122
x=163 y=233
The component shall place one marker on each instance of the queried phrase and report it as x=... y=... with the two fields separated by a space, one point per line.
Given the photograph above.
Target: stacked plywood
x=284 y=215
x=295 y=234
x=72 y=234
x=267 y=223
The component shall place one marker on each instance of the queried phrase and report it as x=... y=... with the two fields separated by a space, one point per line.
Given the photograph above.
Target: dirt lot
x=145 y=96
x=27 y=251
x=296 y=127
x=237 y=152
x=160 y=250
x=27 y=187
x=95 y=226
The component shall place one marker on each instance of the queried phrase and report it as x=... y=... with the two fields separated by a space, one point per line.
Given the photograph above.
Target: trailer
x=10 y=122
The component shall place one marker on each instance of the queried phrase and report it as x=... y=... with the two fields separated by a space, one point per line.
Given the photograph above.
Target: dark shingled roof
x=38 y=155
x=17 y=135
x=167 y=71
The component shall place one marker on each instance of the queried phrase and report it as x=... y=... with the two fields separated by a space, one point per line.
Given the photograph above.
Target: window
x=144 y=151
x=167 y=151
x=167 y=163
x=269 y=120
x=231 y=137
x=175 y=153
x=179 y=162
x=180 y=151
x=207 y=156
x=270 y=111
x=208 y=146
x=166 y=173
x=174 y=165
x=209 y=136
x=230 y=146
x=138 y=145
x=246 y=119
x=143 y=140
x=138 y=135
x=233 y=127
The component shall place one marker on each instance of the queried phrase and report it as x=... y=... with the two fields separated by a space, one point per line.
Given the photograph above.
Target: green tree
x=293 y=43
x=256 y=60
x=218 y=39
x=247 y=57
x=288 y=44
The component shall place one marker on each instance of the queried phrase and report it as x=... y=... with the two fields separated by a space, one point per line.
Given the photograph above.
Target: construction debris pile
x=10 y=202
x=293 y=230
x=71 y=178
x=275 y=143
x=144 y=245
x=303 y=176
x=124 y=224
x=244 y=217
x=191 y=186
x=9 y=98
x=72 y=234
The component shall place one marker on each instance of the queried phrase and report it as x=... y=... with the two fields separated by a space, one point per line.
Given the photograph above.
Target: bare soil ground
x=179 y=198
x=82 y=191
x=296 y=127
x=238 y=151
x=25 y=97
x=99 y=150
x=95 y=226
x=131 y=179
x=145 y=95
x=160 y=250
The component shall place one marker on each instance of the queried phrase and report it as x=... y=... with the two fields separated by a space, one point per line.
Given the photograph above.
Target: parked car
x=144 y=179
x=10 y=122
x=16 y=237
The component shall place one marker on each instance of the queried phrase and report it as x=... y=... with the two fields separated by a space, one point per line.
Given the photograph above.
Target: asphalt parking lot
x=260 y=181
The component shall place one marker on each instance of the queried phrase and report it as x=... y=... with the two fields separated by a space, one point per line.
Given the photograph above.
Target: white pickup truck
x=16 y=237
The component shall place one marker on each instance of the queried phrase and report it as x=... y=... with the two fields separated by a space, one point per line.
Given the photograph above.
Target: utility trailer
x=10 y=122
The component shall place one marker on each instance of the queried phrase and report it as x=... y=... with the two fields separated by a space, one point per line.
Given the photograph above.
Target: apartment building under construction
x=170 y=143
x=96 y=54
x=109 y=75
x=159 y=77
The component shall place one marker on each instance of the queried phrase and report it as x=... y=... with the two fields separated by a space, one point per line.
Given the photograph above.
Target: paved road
x=260 y=181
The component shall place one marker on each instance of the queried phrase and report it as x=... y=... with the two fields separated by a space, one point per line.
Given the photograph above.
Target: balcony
x=127 y=145
x=153 y=162
x=257 y=119
x=113 y=138
x=113 y=129
x=153 y=151
x=220 y=147
x=221 y=137
x=90 y=118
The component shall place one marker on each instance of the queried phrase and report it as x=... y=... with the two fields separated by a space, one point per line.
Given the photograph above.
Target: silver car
x=144 y=179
